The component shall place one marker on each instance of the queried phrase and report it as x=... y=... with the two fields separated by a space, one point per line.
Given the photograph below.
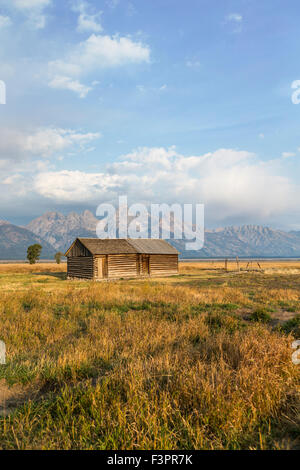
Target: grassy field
x=202 y=360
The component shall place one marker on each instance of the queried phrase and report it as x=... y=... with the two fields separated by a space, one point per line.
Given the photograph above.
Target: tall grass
x=145 y=365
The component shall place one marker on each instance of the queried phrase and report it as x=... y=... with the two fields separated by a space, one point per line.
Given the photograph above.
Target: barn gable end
x=78 y=249
x=80 y=261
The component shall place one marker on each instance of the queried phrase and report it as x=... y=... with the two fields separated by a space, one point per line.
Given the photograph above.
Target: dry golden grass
x=185 y=266
x=197 y=361
x=28 y=268
x=272 y=266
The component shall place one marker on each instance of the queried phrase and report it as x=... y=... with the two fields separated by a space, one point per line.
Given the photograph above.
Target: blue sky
x=162 y=100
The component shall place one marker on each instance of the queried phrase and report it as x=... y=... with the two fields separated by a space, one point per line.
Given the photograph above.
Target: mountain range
x=55 y=232
x=14 y=242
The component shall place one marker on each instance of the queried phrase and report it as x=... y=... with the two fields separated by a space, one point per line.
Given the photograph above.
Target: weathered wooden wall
x=78 y=250
x=163 y=265
x=81 y=267
x=122 y=266
x=144 y=265
x=105 y=270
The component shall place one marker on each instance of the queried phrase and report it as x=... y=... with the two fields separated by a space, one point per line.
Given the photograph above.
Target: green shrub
x=261 y=315
x=292 y=326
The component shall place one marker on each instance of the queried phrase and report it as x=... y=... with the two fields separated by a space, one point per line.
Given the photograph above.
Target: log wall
x=122 y=266
x=163 y=265
x=81 y=267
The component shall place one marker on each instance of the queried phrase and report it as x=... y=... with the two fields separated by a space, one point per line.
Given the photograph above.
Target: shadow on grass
x=61 y=276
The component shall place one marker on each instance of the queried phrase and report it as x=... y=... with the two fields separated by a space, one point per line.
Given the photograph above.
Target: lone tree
x=58 y=257
x=34 y=253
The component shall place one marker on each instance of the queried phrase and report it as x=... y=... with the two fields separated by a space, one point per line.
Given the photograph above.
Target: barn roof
x=153 y=247
x=97 y=246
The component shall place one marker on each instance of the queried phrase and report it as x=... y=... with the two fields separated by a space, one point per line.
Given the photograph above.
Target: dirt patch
x=283 y=316
x=281 y=271
x=14 y=396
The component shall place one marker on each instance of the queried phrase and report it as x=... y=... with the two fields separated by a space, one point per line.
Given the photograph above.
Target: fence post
x=226 y=264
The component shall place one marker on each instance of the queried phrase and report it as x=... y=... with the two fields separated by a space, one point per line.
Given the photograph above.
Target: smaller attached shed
x=96 y=259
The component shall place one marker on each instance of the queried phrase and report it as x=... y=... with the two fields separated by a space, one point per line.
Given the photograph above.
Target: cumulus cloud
x=87 y=22
x=97 y=53
x=76 y=186
x=231 y=183
x=43 y=142
x=234 y=185
x=33 y=9
x=67 y=83
x=26 y=155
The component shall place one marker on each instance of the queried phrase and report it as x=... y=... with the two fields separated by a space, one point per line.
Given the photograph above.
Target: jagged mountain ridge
x=15 y=240
x=247 y=241
x=244 y=241
x=60 y=231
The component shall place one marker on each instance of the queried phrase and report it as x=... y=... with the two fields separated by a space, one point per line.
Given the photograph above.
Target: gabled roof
x=97 y=246
x=152 y=247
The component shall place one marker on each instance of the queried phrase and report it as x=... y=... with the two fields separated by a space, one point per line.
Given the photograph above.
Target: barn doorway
x=146 y=265
x=100 y=268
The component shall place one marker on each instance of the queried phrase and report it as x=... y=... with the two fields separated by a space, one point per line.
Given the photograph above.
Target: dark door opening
x=146 y=265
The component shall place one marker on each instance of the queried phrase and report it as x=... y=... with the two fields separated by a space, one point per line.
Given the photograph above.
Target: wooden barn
x=92 y=258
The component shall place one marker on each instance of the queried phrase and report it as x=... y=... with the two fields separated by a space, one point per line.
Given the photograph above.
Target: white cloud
x=112 y=3
x=193 y=63
x=235 y=19
x=143 y=89
x=43 y=142
x=46 y=142
x=93 y=55
x=231 y=183
x=34 y=10
x=12 y=179
x=28 y=4
x=5 y=21
x=87 y=22
x=99 y=52
x=288 y=154
x=67 y=83
x=72 y=186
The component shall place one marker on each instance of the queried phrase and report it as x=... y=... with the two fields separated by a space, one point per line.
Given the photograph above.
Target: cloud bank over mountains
x=232 y=184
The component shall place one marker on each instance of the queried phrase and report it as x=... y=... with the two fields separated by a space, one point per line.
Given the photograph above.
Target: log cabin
x=96 y=259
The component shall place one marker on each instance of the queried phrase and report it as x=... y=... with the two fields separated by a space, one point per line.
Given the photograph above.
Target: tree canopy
x=34 y=253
